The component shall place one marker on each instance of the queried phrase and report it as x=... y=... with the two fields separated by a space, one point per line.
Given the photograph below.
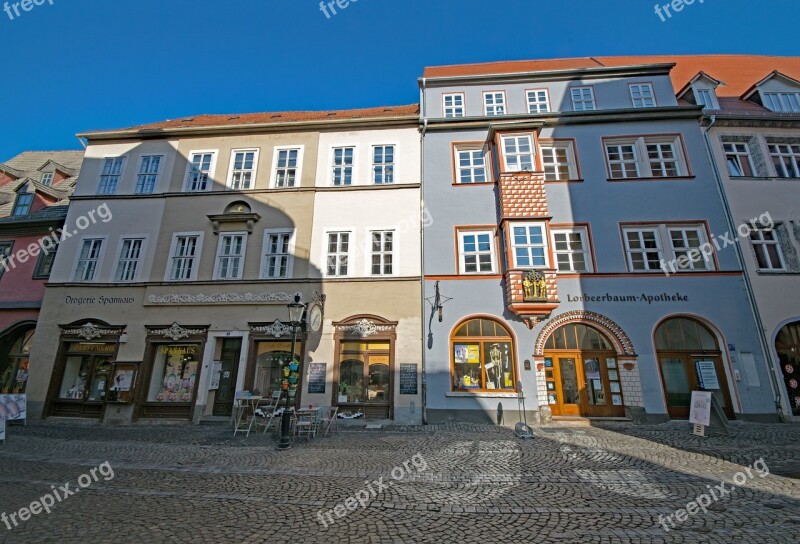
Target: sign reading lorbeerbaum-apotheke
x=644 y=297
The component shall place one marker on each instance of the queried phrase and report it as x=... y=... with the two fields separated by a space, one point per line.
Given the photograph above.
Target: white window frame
x=713 y=103
x=781 y=101
x=644 y=101
x=102 y=187
x=665 y=248
x=644 y=167
x=472 y=167
x=568 y=146
x=145 y=175
x=332 y=167
x=498 y=108
x=266 y=255
x=370 y=252
x=757 y=246
x=98 y=260
x=518 y=154
x=535 y=103
x=451 y=112
x=462 y=254
x=583 y=232
x=254 y=171
x=793 y=156
x=298 y=170
x=737 y=155
x=138 y=262
x=349 y=253
x=190 y=169
x=528 y=246
x=383 y=165
x=195 y=260
x=582 y=100
x=29 y=196
x=47 y=178
x=242 y=257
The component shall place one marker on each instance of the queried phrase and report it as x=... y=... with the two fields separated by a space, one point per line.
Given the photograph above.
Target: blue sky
x=86 y=64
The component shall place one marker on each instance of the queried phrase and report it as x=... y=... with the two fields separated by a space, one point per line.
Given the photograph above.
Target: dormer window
x=782 y=102
x=706 y=97
x=22 y=206
x=47 y=179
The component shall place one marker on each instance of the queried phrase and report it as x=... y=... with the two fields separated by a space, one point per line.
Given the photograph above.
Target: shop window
x=271 y=358
x=85 y=378
x=175 y=372
x=14 y=375
x=787 y=345
x=483 y=357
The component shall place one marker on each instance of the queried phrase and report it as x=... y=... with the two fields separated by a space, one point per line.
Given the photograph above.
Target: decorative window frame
x=222 y=235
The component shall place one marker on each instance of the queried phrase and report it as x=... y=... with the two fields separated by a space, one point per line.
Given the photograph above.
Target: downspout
x=424 y=119
x=748 y=284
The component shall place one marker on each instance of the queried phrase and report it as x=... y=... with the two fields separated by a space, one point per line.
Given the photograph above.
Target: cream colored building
x=190 y=237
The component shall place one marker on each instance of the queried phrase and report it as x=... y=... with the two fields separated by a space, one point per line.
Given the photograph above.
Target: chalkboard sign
x=316 y=377
x=408 y=378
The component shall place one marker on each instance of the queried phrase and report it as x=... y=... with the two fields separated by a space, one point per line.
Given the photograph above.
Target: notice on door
x=408 y=379
x=707 y=374
x=700 y=412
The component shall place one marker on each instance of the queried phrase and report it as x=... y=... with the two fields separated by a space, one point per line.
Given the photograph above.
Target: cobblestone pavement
x=572 y=483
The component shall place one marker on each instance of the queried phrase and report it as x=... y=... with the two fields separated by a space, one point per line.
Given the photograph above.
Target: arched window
x=788 y=346
x=14 y=370
x=681 y=334
x=579 y=337
x=483 y=357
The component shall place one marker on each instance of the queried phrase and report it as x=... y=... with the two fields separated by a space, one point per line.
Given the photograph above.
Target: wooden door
x=224 y=398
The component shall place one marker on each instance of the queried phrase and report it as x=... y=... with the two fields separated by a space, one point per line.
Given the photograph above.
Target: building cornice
x=749 y=121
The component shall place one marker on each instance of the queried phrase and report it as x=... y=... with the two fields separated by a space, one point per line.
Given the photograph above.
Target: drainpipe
x=748 y=284
x=423 y=308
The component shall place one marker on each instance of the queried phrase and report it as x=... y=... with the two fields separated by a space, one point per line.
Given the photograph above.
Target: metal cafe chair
x=330 y=420
x=305 y=423
x=271 y=408
x=244 y=415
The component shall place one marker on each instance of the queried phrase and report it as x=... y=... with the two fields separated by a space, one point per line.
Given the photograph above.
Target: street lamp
x=296 y=310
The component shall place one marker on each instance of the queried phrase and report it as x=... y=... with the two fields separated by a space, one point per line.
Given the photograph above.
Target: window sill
x=482 y=394
x=576 y=180
x=672 y=178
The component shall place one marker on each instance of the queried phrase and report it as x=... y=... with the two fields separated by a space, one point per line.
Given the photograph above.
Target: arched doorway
x=582 y=373
x=14 y=357
x=687 y=350
x=787 y=345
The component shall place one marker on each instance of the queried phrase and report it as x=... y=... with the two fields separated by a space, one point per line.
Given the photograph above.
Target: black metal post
x=286 y=441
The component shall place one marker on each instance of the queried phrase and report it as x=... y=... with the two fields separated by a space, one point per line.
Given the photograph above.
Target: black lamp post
x=296 y=310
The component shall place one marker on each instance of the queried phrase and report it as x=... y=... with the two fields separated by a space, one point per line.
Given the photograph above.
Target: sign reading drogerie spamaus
x=98 y=300
x=649 y=298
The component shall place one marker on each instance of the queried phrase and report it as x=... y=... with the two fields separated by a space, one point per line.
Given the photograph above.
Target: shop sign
x=408 y=379
x=644 y=297
x=178 y=350
x=700 y=411
x=707 y=374
x=86 y=347
x=100 y=301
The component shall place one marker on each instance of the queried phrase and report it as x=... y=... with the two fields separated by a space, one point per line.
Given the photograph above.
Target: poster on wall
x=216 y=374
x=316 y=377
x=12 y=407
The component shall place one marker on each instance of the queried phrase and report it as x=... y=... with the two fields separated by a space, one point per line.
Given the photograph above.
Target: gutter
x=748 y=284
x=424 y=122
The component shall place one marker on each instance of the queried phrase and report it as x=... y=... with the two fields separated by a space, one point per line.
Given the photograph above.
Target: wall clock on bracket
x=315 y=318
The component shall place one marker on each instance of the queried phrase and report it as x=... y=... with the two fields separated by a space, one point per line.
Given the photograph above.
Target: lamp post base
x=286 y=441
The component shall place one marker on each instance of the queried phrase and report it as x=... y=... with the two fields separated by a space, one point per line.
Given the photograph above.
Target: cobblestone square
x=571 y=483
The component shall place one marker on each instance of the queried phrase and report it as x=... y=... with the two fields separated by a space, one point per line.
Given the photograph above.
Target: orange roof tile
x=273 y=118
x=737 y=72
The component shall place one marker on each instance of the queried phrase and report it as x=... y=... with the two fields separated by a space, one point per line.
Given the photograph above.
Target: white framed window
x=453 y=104
x=88 y=260
x=642 y=95
x=47 y=179
x=538 y=101
x=230 y=256
x=200 y=170
x=184 y=256
x=242 y=173
x=470 y=165
x=572 y=250
x=738 y=159
x=558 y=160
x=476 y=252
x=670 y=248
x=381 y=251
x=529 y=245
x=342 y=165
x=494 y=103
x=278 y=254
x=23 y=203
x=149 y=168
x=337 y=254
x=645 y=157
x=786 y=158
x=518 y=153
x=383 y=166
x=131 y=251
x=767 y=248
x=112 y=171
x=782 y=102
x=583 y=99
x=706 y=98
x=288 y=165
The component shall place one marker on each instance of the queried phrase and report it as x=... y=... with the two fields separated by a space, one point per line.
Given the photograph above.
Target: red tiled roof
x=275 y=118
x=737 y=72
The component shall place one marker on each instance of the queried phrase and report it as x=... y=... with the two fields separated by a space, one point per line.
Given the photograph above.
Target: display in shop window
x=174 y=373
